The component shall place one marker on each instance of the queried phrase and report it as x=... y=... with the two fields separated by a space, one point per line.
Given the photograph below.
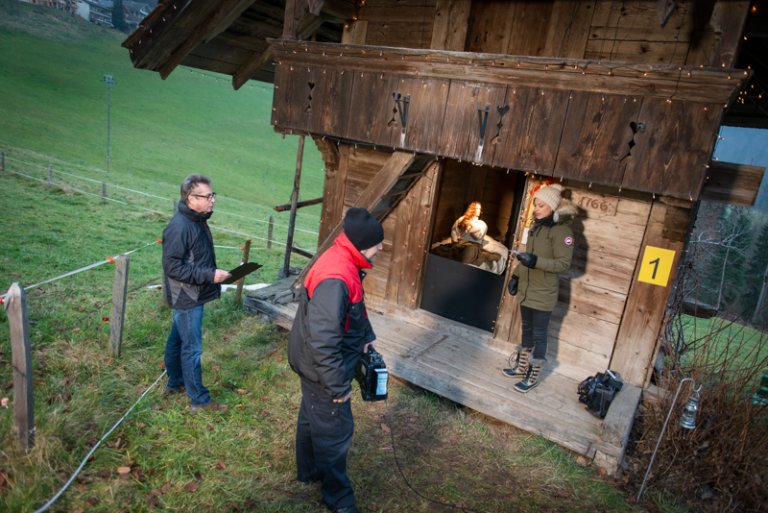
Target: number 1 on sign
x=656 y=266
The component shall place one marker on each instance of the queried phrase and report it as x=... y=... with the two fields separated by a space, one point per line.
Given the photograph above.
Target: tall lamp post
x=110 y=81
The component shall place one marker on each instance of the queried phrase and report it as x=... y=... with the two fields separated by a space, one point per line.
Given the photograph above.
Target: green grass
x=52 y=112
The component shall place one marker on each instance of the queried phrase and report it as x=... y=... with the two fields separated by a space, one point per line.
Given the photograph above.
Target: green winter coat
x=552 y=243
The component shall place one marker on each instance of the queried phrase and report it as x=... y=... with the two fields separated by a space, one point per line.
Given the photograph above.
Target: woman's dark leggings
x=535 y=324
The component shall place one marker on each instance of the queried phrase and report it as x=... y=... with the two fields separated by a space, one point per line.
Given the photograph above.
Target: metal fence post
x=50 y=175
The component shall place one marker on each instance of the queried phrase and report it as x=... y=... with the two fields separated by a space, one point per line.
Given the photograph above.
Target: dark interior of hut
x=473 y=265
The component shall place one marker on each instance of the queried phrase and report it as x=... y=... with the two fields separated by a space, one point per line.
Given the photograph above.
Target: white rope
x=93 y=449
x=83 y=269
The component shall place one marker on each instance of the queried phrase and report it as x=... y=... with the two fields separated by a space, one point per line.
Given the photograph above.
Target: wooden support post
x=294 y=201
x=23 y=390
x=50 y=175
x=241 y=281
x=103 y=192
x=117 y=318
x=300 y=204
x=269 y=232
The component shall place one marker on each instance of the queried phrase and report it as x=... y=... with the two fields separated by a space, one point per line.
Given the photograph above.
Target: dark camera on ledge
x=373 y=376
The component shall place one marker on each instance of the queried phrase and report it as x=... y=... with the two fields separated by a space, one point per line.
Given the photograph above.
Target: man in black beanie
x=330 y=332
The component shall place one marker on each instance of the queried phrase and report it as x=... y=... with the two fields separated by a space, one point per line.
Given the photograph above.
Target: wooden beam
x=209 y=26
x=451 y=24
x=251 y=66
x=688 y=83
x=299 y=204
x=732 y=183
x=638 y=335
x=397 y=164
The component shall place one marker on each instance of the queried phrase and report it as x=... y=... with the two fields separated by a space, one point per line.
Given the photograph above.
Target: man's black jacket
x=189 y=261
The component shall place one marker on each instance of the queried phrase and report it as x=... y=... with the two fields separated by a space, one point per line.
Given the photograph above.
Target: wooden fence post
x=50 y=175
x=241 y=281
x=103 y=192
x=119 y=291
x=269 y=231
x=23 y=390
x=294 y=200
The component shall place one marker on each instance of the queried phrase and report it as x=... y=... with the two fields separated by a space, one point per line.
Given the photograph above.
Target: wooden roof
x=228 y=37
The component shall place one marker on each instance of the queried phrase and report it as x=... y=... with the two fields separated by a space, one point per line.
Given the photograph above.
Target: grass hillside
x=53 y=110
x=162 y=458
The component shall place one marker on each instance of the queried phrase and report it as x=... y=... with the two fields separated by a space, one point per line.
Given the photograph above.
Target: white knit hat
x=550 y=195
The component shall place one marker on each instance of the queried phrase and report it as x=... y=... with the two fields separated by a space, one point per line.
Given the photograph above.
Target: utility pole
x=110 y=81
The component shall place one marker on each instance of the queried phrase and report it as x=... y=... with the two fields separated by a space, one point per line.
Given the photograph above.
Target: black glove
x=527 y=259
x=512 y=285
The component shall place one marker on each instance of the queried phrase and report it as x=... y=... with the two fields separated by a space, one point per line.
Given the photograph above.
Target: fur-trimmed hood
x=566 y=211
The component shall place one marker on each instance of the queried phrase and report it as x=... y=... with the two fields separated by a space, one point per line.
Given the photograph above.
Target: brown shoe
x=173 y=390
x=213 y=406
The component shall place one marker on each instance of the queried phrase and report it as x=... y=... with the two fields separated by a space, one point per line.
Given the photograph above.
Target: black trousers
x=323 y=438
x=535 y=323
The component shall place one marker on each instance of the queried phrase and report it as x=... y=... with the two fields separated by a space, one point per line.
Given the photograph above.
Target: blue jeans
x=182 y=354
x=535 y=323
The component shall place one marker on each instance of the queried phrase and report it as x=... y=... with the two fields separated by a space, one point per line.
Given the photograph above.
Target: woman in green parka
x=549 y=250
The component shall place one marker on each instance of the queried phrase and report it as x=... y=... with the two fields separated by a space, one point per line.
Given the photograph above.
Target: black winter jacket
x=189 y=261
x=331 y=326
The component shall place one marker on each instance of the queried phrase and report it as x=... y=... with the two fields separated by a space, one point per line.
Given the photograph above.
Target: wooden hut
x=419 y=107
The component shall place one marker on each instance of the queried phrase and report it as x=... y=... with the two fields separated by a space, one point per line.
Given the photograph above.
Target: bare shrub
x=721 y=464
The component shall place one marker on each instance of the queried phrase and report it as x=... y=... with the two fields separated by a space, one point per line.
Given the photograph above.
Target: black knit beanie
x=362 y=229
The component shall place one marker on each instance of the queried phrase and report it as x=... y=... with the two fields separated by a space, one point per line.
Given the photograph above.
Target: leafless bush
x=722 y=464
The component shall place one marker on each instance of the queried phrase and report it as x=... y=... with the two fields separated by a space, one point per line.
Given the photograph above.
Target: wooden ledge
x=672 y=82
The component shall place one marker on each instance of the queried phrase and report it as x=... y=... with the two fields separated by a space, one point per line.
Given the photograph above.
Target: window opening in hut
x=472 y=231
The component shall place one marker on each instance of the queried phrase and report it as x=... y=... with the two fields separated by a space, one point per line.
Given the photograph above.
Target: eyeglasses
x=208 y=197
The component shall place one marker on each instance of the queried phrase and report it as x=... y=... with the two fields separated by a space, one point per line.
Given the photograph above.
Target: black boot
x=520 y=366
x=531 y=378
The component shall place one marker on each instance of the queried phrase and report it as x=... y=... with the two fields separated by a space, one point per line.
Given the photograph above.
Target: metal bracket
x=401 y=104
x=482 y=115
x=502 y=110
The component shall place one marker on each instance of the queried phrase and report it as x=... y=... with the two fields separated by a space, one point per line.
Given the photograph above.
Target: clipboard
x=240 y=271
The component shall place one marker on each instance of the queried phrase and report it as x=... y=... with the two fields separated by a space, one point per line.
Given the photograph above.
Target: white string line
x=85 y=268
x=48 y=158
x=112 y=185
x=93 y=449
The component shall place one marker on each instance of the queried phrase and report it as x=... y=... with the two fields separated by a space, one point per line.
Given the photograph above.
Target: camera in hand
x=373 y=376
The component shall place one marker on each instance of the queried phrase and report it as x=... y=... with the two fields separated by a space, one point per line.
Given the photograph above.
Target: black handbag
x=598 y=391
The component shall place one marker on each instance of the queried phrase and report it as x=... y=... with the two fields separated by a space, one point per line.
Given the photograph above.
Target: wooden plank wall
x=605 y=30
x=397 y=272
x=403 y=23
x=587 y=318
x=649 y=144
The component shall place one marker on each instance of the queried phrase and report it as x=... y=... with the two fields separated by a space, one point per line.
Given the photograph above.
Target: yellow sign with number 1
x=656 y=265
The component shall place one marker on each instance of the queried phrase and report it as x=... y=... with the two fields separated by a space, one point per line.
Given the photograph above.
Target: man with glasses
x=191 y=279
